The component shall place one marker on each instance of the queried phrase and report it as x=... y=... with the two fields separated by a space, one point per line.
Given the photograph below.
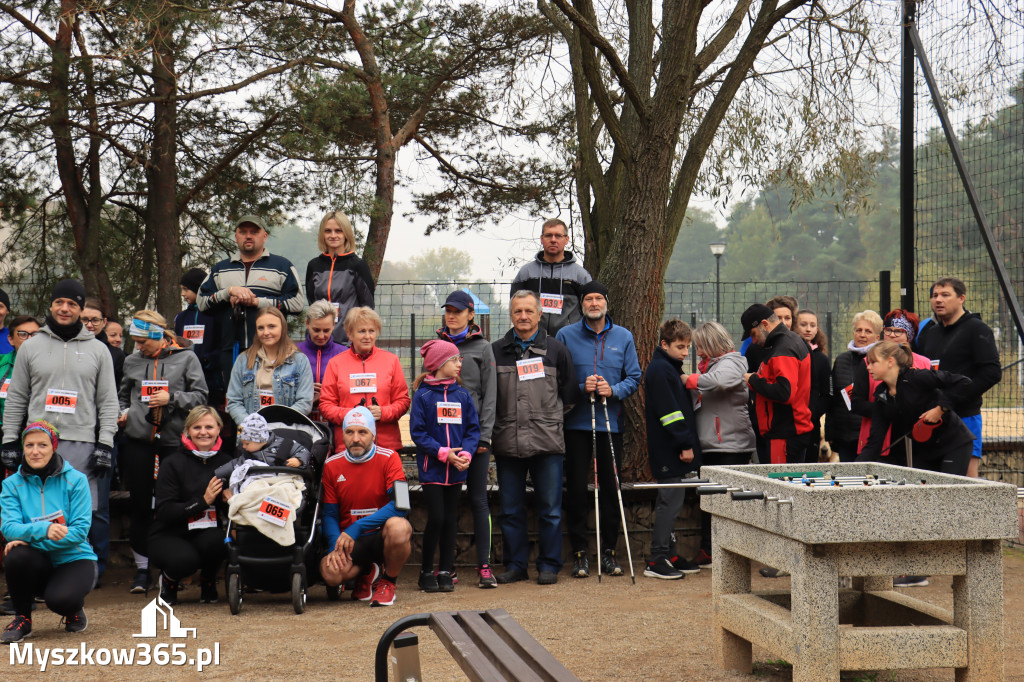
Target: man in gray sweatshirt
x=65 y=376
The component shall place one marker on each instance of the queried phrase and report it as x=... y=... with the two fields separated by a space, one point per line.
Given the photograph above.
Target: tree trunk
x=162 y=171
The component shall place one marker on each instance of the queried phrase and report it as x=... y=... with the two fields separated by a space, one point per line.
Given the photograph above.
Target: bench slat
x=470 y=658
x=510 y=659
x=542 y=661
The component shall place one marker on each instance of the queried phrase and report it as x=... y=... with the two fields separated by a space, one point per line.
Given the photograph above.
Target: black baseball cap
x=459 y=300
x=752 y=317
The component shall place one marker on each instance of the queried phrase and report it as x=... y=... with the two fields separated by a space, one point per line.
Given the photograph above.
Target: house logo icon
x=158 y=611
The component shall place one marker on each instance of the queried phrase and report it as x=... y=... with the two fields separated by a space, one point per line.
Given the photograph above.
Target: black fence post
x=884 y=291
x=828 y=332
x=412 y=348
x=693 y=351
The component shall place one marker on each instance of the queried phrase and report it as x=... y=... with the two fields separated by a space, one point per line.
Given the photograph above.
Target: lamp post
x=717 y=249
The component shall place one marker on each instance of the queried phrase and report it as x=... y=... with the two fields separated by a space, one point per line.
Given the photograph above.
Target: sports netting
x=976 y=51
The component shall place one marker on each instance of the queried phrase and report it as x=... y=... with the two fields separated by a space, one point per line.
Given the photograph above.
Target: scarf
x=365 y=458
x=64 y=331
x=434 y=381
x=859 y=351
x=201 y=454
x=457 y=338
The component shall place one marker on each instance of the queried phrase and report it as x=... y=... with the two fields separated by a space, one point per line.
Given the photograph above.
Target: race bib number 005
x=63 y=402
x=274 y=511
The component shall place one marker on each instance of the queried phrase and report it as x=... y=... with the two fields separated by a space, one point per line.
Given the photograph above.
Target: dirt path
x=655 y=630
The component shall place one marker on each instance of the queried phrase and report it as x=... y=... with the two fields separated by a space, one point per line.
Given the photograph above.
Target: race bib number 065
x=274 y=511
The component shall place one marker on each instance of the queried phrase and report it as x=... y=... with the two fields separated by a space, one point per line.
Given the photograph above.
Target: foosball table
x=872 y=522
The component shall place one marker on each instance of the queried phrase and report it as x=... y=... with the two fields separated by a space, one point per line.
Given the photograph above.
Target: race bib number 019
x=449 y=413
x=63 y=402
x=551 y=303
x=151 y=388
x=266 y=398
x=362 y=383
x=274 y=511
x=530 y=368
x=195 y=333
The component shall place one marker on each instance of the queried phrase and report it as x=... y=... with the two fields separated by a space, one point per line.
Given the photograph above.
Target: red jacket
x=782 y=386
x=383 y=379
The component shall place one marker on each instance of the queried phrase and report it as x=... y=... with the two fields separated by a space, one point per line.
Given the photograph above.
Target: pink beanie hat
x=437 y=352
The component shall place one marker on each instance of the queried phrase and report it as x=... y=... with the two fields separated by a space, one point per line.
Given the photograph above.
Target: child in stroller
x=258 y=444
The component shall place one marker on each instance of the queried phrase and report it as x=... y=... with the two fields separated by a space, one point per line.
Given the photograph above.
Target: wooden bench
x=488 y=646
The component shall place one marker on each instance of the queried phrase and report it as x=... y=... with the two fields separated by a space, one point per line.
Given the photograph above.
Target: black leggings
x=181 y=555
x=30 y=572
x=137 y=464
x=720 y=459
x=579 y=472
x=442 y=522
x=476 y=485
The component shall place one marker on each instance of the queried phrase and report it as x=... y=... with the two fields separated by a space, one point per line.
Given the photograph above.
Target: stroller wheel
x=298 y=593
x=234 y=593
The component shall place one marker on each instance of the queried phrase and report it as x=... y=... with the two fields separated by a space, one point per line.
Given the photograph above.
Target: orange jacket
x=383 y=379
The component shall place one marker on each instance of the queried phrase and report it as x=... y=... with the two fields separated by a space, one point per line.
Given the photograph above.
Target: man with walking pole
x=604 y=357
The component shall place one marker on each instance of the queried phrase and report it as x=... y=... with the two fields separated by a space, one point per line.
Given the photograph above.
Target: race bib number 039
x=530 y=368
x=195 y=333
x=64 y=402
x=151 y=388
x=551 y=303
x=449 y=413
x=362 y=383
x=274 y=511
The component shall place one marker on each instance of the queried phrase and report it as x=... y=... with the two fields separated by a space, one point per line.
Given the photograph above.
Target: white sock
x=141 y=562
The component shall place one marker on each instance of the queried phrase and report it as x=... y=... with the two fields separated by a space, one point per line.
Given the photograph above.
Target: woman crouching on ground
x=46 y=509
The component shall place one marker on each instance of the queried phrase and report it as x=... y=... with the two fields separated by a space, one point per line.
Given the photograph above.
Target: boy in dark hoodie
x=672 y=445
x=201 y=330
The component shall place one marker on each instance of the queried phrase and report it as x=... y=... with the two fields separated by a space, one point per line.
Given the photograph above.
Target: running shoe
x=910 y=581
x=663 y=568
x=383 y=593
x=76 y=622
x=681 y=564
x=428 y=581
x=580 y=565
x=702 y=559
x=445 y=582
x=609 y=566
x=363 y=590
x=140 y=583
x=487 y=579
x=19 y=629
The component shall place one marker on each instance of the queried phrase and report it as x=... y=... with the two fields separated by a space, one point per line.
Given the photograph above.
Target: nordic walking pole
x=597 y=511
x=618 y=488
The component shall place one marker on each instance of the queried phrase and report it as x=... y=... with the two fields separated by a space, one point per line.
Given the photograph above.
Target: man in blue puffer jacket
x=605 y=360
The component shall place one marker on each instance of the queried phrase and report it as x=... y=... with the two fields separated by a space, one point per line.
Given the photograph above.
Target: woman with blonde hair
x=163 y=380
x=271 y=372
x=365 y=375
x=842 y=423
x=338 y=275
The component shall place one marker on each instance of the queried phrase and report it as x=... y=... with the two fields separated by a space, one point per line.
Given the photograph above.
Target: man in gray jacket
x=556 y=277
x=65 y=376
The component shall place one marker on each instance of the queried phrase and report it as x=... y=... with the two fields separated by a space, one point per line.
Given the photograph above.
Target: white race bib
x=362 y=383
x=3 y=389
x=274 y=511
x=150 y=388
x=449 y=413
x=551 y=303
x=194 y=333
x=63 y=402
x=846 y=393
x=530 y=368
x=55 y=517
x=206 y=519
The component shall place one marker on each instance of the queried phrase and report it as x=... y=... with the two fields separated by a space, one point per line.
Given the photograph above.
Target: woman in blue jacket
x=446 y=431
x=46 y=511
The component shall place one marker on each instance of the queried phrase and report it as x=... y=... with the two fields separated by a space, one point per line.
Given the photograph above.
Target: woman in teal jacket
x=46 y=511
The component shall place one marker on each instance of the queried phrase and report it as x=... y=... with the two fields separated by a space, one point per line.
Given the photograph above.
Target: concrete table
x=950 y=525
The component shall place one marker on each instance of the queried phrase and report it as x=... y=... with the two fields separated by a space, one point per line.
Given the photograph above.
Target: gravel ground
x=654 y=630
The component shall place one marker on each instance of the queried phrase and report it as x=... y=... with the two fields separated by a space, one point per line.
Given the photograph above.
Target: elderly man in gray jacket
x=65 y=376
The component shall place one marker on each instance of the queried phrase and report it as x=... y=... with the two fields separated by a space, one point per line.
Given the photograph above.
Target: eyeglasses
x=554 y=236
x=92 y=320
x=894 y=331
x=25 y=335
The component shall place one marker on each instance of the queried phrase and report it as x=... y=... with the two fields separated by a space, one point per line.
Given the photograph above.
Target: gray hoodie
x=181 y=369
x=47 y=363
x=723 y=422
x=563 y=281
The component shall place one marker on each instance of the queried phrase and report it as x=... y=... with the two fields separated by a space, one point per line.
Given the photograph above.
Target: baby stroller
x=254 y=560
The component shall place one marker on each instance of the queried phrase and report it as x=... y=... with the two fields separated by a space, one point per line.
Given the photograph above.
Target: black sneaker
x=681 y=564
x=609 y=566
x=140 y=583
x=487 y=579
x=428 y=582
x=910 y=581
x=445 y=583
x=512 y=575
x=580 y=565
x=208 y=592
x=168 y=590
x=76 y=622
x=663 y=568
x=19 y=629
x=770 y=572
x=703 y=558
x=547 y=578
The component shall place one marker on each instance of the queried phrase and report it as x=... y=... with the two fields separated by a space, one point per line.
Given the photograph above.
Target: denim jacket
x=293 y=386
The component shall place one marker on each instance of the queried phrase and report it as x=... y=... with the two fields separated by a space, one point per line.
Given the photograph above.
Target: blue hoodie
x=26 y=498
x=610 y=354
x=430 y=436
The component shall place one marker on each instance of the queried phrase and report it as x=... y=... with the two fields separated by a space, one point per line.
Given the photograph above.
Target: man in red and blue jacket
x=782 y=386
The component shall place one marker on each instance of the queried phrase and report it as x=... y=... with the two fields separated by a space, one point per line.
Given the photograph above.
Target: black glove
x=101 y=460
x=10 y=454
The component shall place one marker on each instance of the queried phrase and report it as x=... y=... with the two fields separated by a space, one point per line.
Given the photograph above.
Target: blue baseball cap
x=459 y=300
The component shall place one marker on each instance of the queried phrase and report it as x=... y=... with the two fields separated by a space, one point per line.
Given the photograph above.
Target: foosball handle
x=712 y=490
x=748 y=495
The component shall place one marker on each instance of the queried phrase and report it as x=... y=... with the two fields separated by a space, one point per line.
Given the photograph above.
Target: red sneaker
x=383 y=593
x=363 y=591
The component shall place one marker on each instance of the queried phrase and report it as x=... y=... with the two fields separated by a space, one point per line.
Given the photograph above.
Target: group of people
x=546 y=400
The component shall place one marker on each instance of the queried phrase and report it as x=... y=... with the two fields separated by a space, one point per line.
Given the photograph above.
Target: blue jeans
x=546 y=475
